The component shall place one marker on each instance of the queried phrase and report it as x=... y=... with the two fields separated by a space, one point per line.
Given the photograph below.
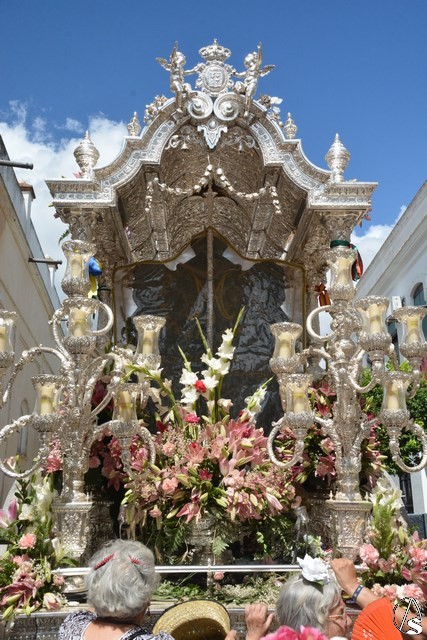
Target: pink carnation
x=283 y=633
x=390 y=591
x=169 y=486
x=168 y=449
x=19 y=560
x=193 y=417
x=385 y=565
x=311 y=633
x=418 y=555
x=369 y=554
x=28 y=541
x=413 y=591
x=378 y=590
x=305 y=633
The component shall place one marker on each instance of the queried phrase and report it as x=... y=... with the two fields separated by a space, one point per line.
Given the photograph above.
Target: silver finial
x=86 y=155
x=134 y=127
x=337 y=159
x=290 y=128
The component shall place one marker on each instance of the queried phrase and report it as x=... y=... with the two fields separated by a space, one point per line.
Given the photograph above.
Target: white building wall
x=27 y=289
x=401 y=263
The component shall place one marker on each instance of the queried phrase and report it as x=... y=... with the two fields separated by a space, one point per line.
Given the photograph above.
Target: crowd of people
x=310 y=606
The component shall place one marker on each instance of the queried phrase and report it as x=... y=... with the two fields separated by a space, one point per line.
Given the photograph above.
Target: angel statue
x=253 y=71
x=177 y=75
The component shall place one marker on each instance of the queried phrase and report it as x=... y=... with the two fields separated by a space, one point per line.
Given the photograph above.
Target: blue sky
x=347 y=66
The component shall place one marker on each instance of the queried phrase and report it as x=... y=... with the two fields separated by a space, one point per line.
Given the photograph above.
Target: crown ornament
x=215 y=52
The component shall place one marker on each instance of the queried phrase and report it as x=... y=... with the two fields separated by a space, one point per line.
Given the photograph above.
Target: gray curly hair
x=301 y=602
x=122 y=580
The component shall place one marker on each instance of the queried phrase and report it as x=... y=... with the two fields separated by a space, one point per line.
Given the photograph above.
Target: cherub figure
x=253 y=71
x=177 y=75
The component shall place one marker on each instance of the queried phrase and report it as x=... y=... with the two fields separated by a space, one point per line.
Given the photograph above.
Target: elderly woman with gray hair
x=310 y=599
x=120 y=584
x=310 y=603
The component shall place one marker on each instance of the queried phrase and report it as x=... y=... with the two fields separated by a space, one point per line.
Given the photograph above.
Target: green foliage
x=417 y=406
x=169 y=545
x=219 y=545
x=258 y=588
x=169 y=590
x=383 y=535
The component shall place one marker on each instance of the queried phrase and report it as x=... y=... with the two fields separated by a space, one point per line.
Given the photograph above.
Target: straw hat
x=195 y=620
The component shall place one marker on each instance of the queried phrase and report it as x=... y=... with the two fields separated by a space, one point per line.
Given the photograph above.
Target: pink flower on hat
x=305 y=633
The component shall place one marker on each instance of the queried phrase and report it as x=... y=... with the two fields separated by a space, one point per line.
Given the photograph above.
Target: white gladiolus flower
x=210 y=381
x=188 y=378
x=44 y=496
x=213 y=363
x=154 y=394
x=386 y=493
x=168 y=416
x=58 y=549
x=211 y=405
x=225 y=367
x=27 y=512
x=155 y=372
x=227 y=336
x=254 y=402
x=225 y=404
x=226 y=351
x=189 y=396
x=167 y=384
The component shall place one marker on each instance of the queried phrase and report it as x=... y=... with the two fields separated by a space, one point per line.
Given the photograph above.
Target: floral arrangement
x=27 y=581
x=206 y=463
x=394 y=560
x=317 y=468
x=218 y=469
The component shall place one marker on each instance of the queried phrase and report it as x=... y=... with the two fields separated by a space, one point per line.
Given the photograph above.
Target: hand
x=345 y=573
x=231 y=635
x=257 y=621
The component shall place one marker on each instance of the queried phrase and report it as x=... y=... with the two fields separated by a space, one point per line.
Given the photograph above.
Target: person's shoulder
x=81 y=614
x=162 y=635
x=74 y=622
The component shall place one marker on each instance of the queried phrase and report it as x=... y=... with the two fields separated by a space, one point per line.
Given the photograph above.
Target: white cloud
x=71 y=124
x=32 y=142
x=370 y=242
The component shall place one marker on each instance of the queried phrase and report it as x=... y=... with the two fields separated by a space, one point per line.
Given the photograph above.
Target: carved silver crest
x=214 y=76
